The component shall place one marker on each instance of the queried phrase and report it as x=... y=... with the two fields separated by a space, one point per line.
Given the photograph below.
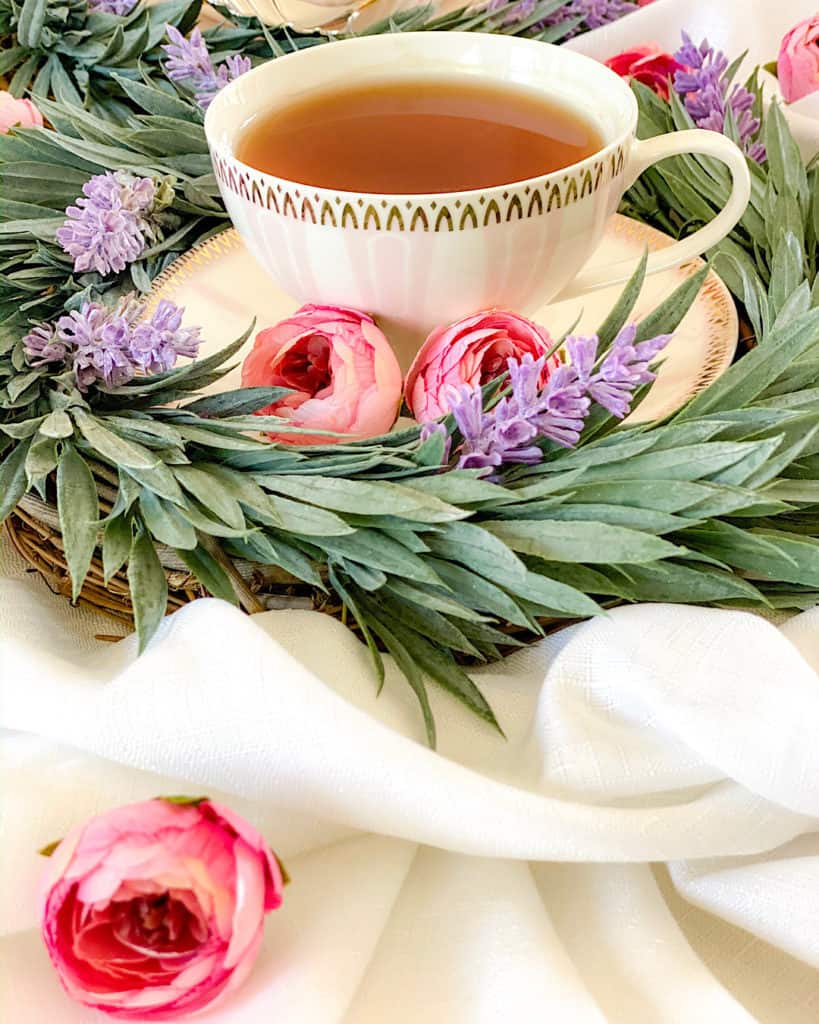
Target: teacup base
x=224 y=289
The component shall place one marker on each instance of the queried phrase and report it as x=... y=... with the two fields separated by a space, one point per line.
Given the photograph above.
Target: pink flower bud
x=343 y=371
x=16 y=113
x=153 y=910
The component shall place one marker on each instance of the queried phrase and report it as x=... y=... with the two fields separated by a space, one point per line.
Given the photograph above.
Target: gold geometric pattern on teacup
x=420 y=215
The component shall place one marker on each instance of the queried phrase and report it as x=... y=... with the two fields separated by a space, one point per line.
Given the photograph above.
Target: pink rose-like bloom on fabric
x=343 y=372
x=16 y=113
x=471 y=352
x=798 y=63
x=153 y=910
x=647 y=64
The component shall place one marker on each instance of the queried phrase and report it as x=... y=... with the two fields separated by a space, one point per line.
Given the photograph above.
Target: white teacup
x=418 y=261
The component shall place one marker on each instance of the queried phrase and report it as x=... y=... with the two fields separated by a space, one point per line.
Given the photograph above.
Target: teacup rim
x=562 y=173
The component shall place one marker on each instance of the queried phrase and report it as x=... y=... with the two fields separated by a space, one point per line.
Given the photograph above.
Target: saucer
x=222 y=288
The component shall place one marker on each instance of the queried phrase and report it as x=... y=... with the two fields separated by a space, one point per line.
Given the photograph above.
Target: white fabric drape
x=643 y=847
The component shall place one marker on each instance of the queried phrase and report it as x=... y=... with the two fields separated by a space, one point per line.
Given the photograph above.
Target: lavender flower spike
x=156 y=344
x=706 y=97
x=556 y=412
x=112 y=345
x=120 y=7
x=480 y=449
x=42 y=346
x=190 y=64
x=98 y=341
x=625 y=368
x=108 y=227
x=594 y=13
x=559 y=411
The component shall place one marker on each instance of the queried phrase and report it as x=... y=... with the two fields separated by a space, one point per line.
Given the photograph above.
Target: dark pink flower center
x=157 y=923
x=495 y=358
x=306 y=366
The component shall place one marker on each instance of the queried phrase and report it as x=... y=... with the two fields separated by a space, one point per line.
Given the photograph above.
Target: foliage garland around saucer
x=717 y=505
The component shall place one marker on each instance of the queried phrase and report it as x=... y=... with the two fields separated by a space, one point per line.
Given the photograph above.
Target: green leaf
x=363 y=575
x=360 y=496
x=660 y=495
x=479 y=593
x=296 y=517
x=78 y=506
x=760 y=368
x=431 y=598
x=797 y=302
x=667 y=317
x=165 y=522
x=116 y=545
x=10 y=58
x=787 y=171
x=687 y=463
x=30 y=22
x=425 y=621
x=111 y=446
x=374 y=549
x=787 y=271
x=197 y=516
x=645 y=519
x=159 y=479
x=668 y=582
x=408 y=666
x=351 y=602
x=617 y=318
x=210 y=574
x=156 y=101
x=581 y=542
x=41 y=460
x=556 y=596
x=240 y=402
x=148 y=585
x=183 y=801
x=481 y=551
x=441 y=667
x=463 y=488
x=13 y=478
x=57 y=425
x=215 y=497
x=760 y=553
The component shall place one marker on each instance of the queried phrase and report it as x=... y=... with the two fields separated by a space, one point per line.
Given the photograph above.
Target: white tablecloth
x=644 y=847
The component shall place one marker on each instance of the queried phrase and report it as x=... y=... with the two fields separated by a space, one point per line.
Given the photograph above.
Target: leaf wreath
x=717 y=505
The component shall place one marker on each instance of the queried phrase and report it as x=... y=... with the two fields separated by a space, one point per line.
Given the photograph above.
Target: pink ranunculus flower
x=343 y=371
x=16 y=113
x=471 y=351
x=647 y=64
x=798 y=63
x=153 y=910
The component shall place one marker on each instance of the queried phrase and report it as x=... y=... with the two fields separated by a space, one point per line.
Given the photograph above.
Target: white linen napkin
x=496 y=879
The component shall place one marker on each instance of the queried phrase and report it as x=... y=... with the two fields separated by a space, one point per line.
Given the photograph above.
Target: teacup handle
x=643 y=155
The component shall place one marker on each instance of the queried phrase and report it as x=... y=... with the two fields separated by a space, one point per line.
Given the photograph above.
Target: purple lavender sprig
x=111 y=223
x=593 y=12
x=120 y=7
x=112 y=345
x=190 y=64
x=708 y=96
x=511 y=431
